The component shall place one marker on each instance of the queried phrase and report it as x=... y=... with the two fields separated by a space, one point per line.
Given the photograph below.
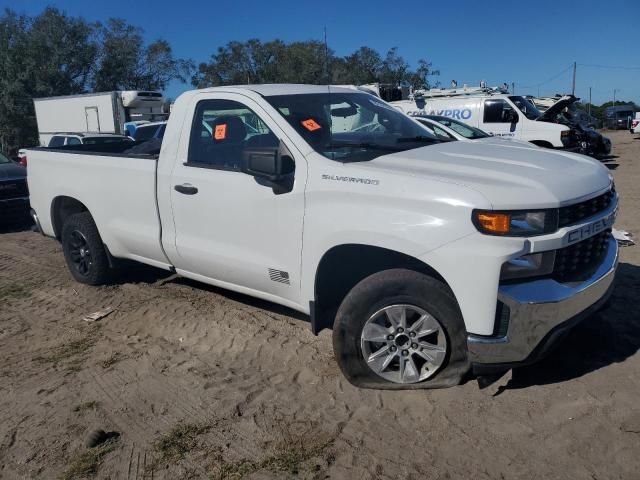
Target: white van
x=498 y=114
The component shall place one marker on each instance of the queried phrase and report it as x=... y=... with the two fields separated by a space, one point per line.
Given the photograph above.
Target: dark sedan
x=14 y=194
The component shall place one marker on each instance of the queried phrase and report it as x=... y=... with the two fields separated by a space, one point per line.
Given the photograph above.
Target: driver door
x=500 y=118
x=231 y=228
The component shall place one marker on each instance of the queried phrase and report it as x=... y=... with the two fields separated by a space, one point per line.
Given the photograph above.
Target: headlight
x=516 y=223
x=532 y=265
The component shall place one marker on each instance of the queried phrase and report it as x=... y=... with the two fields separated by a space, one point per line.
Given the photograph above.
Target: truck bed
x=119 y=190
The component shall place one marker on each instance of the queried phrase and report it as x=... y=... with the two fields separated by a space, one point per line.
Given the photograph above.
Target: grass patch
x=112 y=360
x=179 y=441
x=90 y=405
x=16 y=291
x=87 y=463
x=289 y=459
x=69 y=350
x=292 y=454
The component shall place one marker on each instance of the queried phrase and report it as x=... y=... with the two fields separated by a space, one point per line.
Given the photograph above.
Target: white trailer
x=104 y=112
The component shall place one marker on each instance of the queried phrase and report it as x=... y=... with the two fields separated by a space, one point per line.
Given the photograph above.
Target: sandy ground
x=203 y=383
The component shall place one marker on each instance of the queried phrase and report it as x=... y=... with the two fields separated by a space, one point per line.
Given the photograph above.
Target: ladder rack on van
x=454 y=92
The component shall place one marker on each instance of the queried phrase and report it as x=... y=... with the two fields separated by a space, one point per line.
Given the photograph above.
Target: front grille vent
x=579 y=211
x=578 y=261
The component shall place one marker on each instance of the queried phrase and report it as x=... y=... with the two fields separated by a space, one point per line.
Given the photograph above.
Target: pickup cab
x=425 y=258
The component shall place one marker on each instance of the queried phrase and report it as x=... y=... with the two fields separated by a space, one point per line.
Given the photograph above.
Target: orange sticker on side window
x=311 y=125
x=221 y=132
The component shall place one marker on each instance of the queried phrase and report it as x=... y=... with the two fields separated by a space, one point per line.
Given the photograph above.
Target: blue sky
x=528 y=43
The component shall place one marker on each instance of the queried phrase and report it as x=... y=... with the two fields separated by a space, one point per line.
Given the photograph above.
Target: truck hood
x=550 y=113
x=508 y=176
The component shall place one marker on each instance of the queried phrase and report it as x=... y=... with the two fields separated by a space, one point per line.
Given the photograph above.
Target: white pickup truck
x=426 y=258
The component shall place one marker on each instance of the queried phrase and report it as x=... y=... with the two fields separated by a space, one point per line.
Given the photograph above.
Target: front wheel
x=84 y=251
x=400 y=329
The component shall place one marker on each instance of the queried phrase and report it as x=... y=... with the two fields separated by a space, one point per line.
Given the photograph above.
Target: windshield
x=460 y=128
x=350 y=126
x=527 y=107
x=4 y=159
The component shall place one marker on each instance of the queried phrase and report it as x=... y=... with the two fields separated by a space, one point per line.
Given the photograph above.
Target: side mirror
x=262 y=162
x=510 y=116
x=274 y=164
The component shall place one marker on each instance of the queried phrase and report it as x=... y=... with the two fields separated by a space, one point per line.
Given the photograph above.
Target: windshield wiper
x=371 y=146
x=418 y=138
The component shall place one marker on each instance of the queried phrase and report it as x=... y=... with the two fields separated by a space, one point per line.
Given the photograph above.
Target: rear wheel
x=400 y=329
x=84 y=251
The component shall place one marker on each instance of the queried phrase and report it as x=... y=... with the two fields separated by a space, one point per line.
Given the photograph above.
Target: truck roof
x=271 y=89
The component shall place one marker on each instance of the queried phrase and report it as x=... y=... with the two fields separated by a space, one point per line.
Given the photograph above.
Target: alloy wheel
x=403 y=343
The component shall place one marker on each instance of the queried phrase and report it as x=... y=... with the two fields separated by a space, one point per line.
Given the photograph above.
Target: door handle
x=186 y=189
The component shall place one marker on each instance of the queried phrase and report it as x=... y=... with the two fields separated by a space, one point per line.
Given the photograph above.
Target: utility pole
x=513 y=88
x=614 y=96
x=589 y=100
x=573 y=85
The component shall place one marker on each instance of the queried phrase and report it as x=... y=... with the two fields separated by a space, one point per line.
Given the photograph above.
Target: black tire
x=78 y=229
x=391 y=287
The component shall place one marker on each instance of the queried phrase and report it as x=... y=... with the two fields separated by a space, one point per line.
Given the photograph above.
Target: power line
x=618 y=67
x=550 y=79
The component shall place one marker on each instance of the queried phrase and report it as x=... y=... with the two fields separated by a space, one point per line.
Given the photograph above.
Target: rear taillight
x=23 y=161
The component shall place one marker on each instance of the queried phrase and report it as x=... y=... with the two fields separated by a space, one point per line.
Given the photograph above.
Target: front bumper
x=14 y=208
x=538 y=310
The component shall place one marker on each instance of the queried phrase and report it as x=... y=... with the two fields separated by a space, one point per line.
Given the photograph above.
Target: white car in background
x=448 y=129
x=67 y=139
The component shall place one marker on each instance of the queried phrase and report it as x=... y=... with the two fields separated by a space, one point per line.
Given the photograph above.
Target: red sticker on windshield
x=311 y=125
x=220 y=132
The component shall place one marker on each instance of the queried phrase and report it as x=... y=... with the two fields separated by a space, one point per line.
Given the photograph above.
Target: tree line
x=53 y=53
x=307 y=62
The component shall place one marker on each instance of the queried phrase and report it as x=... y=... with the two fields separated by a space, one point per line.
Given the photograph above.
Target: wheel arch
x=62 y=207
x=343 y=266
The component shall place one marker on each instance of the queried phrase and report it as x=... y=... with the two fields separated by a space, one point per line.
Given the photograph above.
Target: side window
x=56 y=141
x=496 y=111
x=428 y=126
x=442 y=134
x=434 y=130
x=222 y=130
x=73 y=141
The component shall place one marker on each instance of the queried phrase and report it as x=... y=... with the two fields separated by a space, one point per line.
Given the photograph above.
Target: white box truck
x=103 y=112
